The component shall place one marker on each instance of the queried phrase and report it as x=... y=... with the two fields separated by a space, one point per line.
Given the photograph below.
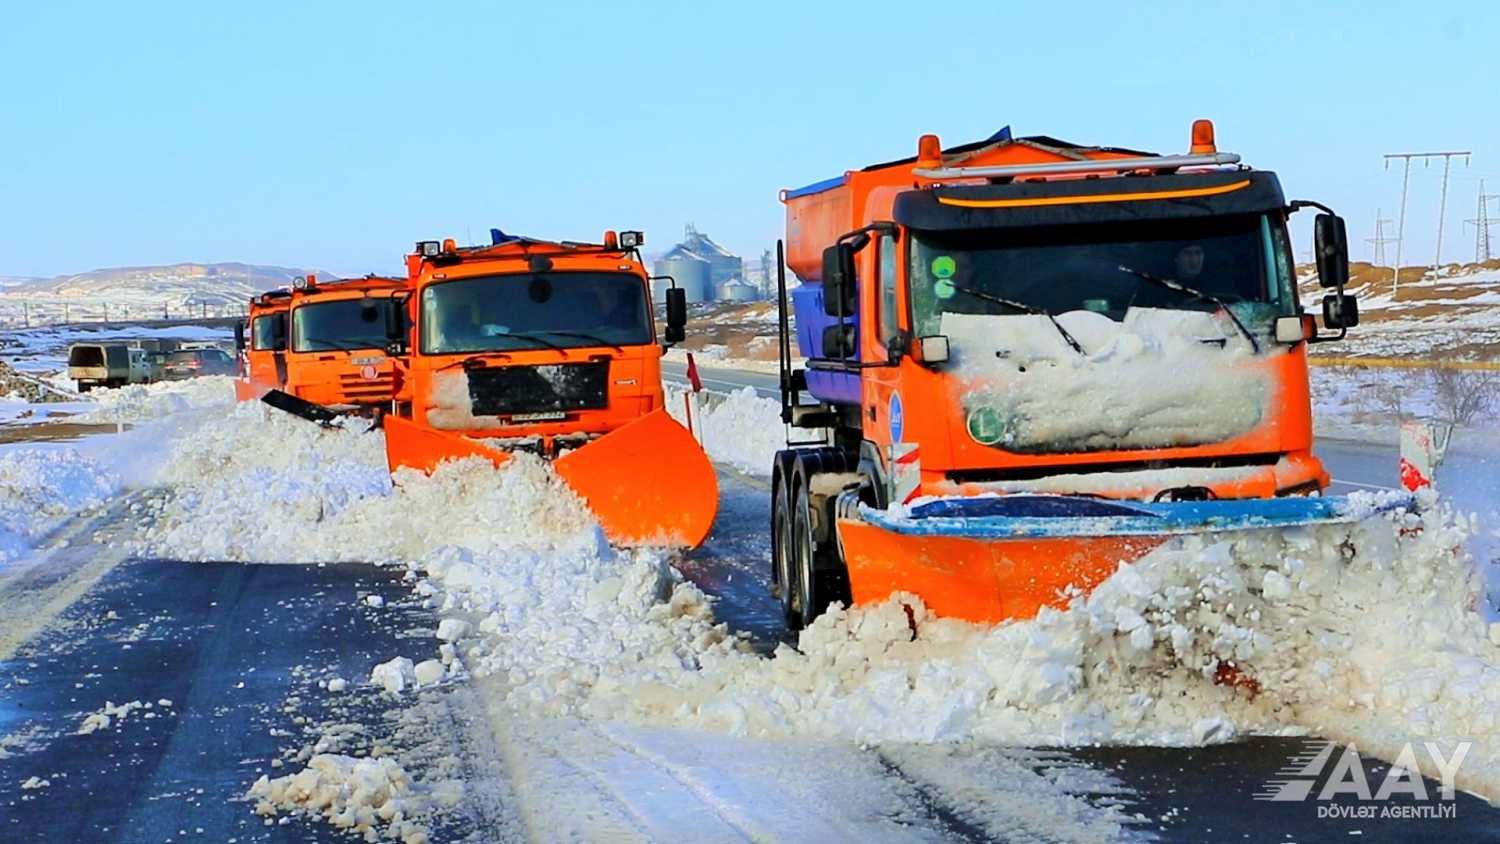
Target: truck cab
x=336 y=341
x=528 y=338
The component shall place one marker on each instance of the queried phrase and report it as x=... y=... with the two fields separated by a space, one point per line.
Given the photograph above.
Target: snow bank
x=140 y=402
x=39 y=487
x=1366 y=631
x=741 y=429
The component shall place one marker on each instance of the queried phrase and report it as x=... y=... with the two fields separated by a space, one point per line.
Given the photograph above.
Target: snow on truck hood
x=1159 y=379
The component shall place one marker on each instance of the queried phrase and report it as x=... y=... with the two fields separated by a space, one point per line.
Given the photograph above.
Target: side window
x=890 y=324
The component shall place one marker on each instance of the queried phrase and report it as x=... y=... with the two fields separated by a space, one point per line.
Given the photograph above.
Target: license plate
x=375 y=361
x=539 y=417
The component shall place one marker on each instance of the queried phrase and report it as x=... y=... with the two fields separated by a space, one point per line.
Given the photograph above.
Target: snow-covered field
x=600 y=665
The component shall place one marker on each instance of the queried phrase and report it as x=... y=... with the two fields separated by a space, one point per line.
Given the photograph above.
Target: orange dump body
x=336 y=353
x=505 y=347
x=263 y=356
x=916 y=417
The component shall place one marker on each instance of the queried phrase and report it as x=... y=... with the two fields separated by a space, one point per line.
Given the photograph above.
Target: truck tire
x=783 y=577
x=817 y=576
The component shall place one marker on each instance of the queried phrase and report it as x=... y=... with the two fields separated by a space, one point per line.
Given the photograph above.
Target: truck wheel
x=782 y=570
x=807 y=603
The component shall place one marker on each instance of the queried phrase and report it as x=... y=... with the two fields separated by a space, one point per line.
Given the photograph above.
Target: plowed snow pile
x=1366 y=633
x=142 y=402
x=39 y=487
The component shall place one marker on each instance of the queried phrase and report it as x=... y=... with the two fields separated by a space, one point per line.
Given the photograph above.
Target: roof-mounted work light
x=429 y=248
x=632 y=240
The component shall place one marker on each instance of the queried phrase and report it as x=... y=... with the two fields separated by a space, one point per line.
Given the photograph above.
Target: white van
x=99 y=365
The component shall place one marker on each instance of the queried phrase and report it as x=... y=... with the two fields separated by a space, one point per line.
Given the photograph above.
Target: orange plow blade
x=419 y=447
x=982 y=580
x=990 y=559
x=248 y=390
x=648 y=482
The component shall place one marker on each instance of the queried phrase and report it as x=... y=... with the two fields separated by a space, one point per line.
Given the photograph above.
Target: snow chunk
x=372 y=797
x=452 y=629
x=395 y=675
x=428 y=672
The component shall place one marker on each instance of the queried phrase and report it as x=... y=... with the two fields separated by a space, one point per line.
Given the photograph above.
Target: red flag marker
x=692 y=374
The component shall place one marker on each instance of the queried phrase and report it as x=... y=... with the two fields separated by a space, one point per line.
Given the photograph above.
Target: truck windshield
x=1242 y=260
x=343 y=324
x=534 y=311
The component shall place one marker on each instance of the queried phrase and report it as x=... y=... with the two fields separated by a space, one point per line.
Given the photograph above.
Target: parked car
x=146 y=366
x=191 y=363
x=99 y=365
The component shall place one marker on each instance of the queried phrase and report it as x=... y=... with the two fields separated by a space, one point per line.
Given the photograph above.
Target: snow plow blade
x=999 y=558
x=288 y=403
x=648 y=483
x=248 y=390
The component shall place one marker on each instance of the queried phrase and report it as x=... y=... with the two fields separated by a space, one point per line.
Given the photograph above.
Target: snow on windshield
x=1157 y=379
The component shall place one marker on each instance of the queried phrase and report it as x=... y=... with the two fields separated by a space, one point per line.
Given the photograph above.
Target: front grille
x=354 y=387
x=552 y=388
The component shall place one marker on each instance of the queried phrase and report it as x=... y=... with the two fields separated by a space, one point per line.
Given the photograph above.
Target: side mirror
x=1332 y=248
x=1340 y=311
x=838 y=340
x=395 y=320
x=278 y=333
x=676 y=315
x=838 y=279
x=239 y=337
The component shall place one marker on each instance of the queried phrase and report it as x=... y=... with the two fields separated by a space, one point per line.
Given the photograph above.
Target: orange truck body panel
x=989 y=580
x=639 y=471
x=262 y=369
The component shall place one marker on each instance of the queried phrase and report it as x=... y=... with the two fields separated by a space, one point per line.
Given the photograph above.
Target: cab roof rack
x=1095 y=165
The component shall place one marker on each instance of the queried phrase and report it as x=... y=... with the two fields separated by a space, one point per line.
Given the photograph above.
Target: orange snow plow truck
x=318 y=350
x=1031 y=361
x=551 y=348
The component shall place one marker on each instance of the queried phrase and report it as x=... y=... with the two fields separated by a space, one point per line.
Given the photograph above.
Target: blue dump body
x=834 y=387
x=1010 y=516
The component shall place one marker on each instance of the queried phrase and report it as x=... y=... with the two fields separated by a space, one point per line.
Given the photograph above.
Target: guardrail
x=27 y=314
x=1407 y=363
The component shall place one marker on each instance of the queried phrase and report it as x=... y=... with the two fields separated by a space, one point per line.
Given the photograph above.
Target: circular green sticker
x=985 y=425
x=943 y=266
x=943 y=288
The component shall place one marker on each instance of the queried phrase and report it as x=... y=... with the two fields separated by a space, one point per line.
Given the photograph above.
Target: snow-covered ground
x=605 y=666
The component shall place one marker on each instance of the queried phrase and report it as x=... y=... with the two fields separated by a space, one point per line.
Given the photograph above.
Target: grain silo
x=691 y=271
x=738 y=291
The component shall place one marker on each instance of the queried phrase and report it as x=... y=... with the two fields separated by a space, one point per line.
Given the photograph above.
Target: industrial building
x=706 y=270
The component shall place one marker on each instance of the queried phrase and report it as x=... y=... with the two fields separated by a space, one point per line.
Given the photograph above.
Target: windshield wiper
x=1024 y=308
x=598 y=341
x=1179 y=287
x=330 y=346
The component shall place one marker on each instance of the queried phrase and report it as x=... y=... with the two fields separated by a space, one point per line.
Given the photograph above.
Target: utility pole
x=1426 y=157
x=1481 y=224
x=1380 y=240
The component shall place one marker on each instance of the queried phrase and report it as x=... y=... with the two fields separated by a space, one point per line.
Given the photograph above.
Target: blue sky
x=334 y=134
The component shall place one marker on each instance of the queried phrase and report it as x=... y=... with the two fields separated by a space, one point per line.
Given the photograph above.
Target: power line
x=1481 y=224
x=1426 y=157
x=1380 y=240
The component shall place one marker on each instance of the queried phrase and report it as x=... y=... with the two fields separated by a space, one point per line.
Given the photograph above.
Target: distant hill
x=172 y=284
x=1453 y=313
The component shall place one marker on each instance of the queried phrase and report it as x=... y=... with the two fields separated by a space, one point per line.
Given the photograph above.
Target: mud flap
x=288 y=403
x=648 y=483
